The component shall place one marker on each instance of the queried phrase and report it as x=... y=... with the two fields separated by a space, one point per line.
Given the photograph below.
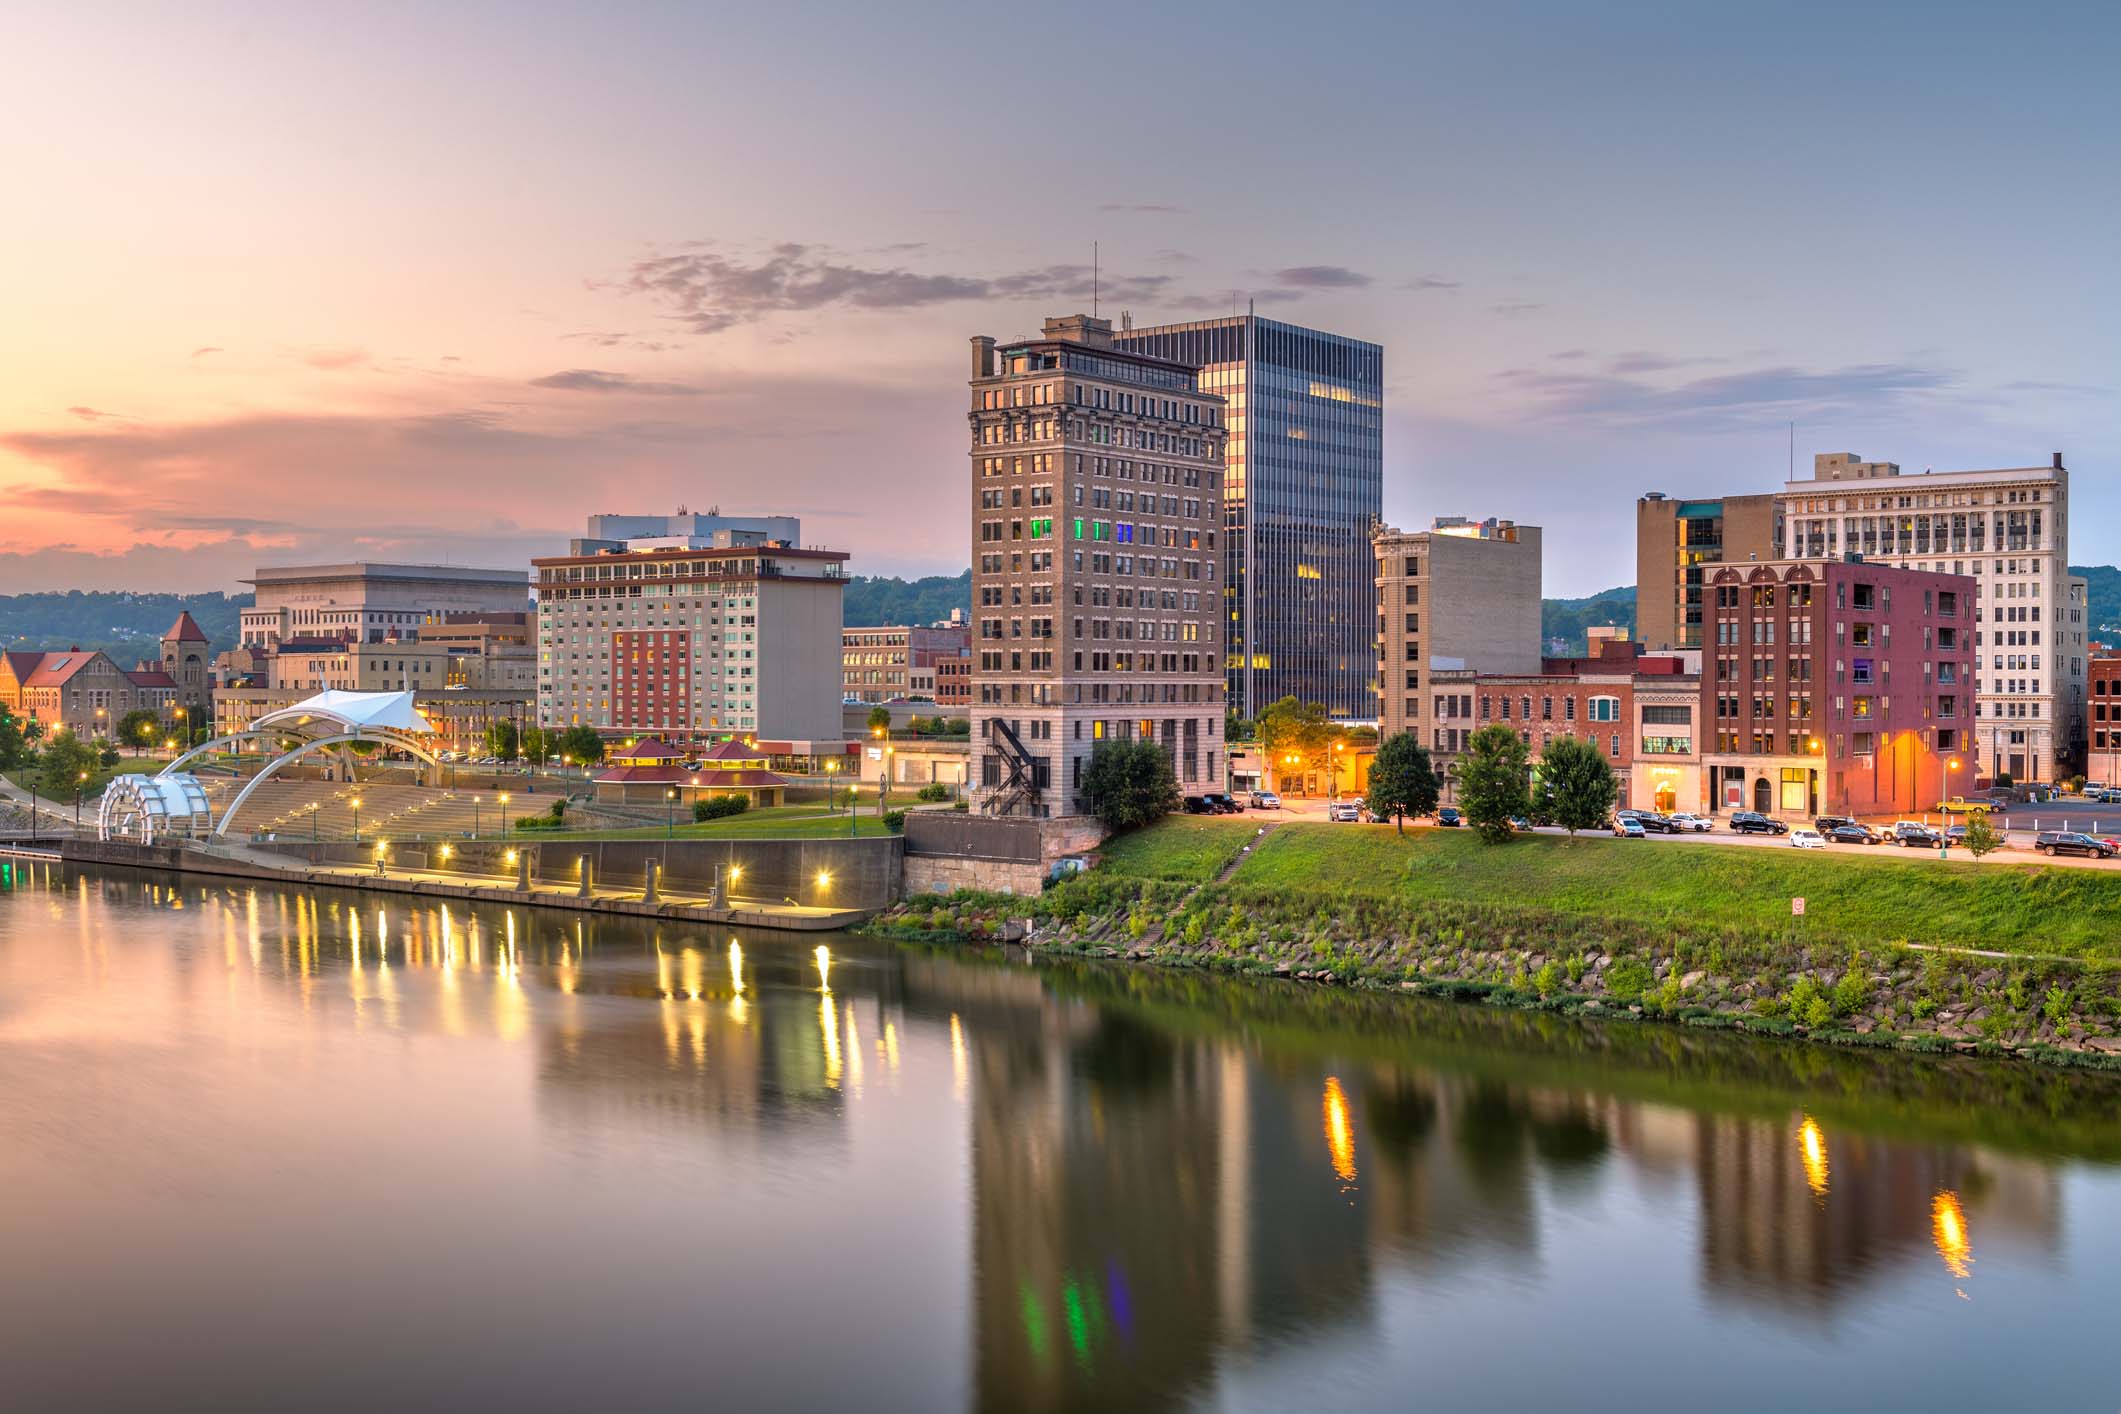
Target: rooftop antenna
x=1093 y=279
x=1793 y=450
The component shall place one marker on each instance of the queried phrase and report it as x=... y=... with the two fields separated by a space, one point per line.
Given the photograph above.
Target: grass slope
x=1850 y=897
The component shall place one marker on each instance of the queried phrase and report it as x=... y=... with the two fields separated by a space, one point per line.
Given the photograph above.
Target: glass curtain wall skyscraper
x=1303 y=487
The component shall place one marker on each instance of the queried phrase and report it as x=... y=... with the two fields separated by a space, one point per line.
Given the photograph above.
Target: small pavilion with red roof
x=648 y=770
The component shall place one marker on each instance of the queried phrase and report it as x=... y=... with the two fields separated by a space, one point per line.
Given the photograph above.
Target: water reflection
x=1070 y=1187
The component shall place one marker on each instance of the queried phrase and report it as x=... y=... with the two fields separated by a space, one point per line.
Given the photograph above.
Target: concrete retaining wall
x=863 y=873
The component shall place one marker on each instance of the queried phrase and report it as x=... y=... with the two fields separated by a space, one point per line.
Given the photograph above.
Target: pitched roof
x=647 y=749
x=57 y=668
x=148 y=675
x=185 y=629
x=20 y=664
x=732 y=751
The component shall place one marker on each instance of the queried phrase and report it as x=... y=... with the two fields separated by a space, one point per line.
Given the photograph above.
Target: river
x=265 y=1148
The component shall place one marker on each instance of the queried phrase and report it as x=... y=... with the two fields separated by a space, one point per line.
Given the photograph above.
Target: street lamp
x=670 y=812
x=832 y=789
x=357 y=819
x=80 y=786
x=854 y=791
x=1944 y=832
x=503 y=798
x=1333 y=771
x=883 y=782
x=475 y=816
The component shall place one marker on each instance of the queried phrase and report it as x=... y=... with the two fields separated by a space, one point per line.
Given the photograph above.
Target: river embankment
x=1918 y=955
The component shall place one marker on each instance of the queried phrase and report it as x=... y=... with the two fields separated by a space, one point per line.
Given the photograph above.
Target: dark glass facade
x=1303 y=487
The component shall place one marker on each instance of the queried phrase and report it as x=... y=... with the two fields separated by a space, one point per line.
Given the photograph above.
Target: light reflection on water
x=537 y=1159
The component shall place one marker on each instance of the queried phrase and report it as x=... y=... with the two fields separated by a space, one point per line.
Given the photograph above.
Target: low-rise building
x=892 y=661
x=367 y=603
x=1460 y=597
x=89 y=693
x=2102 y=764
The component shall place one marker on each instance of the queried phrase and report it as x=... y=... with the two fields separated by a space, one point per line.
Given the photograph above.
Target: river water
x=270 y=1149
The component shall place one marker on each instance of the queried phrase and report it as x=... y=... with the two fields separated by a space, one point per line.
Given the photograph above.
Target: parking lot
x=2017 y=826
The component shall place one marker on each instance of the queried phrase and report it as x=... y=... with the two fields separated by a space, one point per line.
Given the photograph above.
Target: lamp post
x=883 y=782
x=357 y=819
x=503 y=799
x=475 y=817
x=1333 y=772
x=1826 y=800
x=832 y=787
x=313 y=824
x=670 y=813
x=1944 y=829
x=80 y=787
x=854 y=791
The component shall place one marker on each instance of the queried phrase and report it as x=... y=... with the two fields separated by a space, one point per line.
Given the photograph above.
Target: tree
x=537 y=745
x=581 y=746
x=1492 y=781
x=1360 y=737
x=140 y=727
x=1402 y=780
x=66 y=760
x=501 y=739
x=1129 y=784
x=1296 y=728
x=879 y=720
x=1579 y=784
x=1981 y=836
x=14 y=743
x=107 y=756
x=1236 y=728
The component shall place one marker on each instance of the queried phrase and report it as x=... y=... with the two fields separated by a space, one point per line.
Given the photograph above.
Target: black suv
x=1221 y=804
x=1752 y=822
x=2053 y=842
x=1199 y=805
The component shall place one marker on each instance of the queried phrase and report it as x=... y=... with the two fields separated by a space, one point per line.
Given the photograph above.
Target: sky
x=288 y=283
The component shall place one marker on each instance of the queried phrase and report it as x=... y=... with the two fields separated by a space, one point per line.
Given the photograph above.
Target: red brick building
x=2102 y=764
x=1590 y=697
x=1836 y=687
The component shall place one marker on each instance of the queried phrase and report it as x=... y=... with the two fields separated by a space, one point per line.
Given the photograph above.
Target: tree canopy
x=140 y=727
x=1402 y=780
x=1128 y=784
x=1492 y=781
x=66 y=761
x=1578 y=783
x=1292 y=727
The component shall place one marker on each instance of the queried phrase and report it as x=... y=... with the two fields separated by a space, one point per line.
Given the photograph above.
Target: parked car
x=1656 y=824
x=1449 y=816
x=1955 y=835
x=1629 y=828
x=1344 y=810
x=1691 y=823
x=1824 y=823
x=2053 y=842
x=1265 y=800
x=1849 y=833
x=1520 y=824
x=1752 y=822
x=1913 y=834
x=1197 y=805
x=1961 y=805
x=1222 y=804
x=1806 y=839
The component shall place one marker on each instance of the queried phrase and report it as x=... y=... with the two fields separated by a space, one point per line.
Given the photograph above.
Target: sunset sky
x=288 y=282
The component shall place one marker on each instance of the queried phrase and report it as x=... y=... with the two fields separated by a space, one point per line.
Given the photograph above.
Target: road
x=2021 y=823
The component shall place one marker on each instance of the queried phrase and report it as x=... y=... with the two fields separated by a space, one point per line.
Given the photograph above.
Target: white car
x=1693 y=824
x=1806 y=839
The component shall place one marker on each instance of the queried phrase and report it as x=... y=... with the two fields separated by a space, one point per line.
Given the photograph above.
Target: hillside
x=882 y=599
x=2102 y=600
x=1562 y=621
x=127 y=626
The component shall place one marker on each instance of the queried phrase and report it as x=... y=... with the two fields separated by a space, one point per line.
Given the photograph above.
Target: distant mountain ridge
x=126 y=626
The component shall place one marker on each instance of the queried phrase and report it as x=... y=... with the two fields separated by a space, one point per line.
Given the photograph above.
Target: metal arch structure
x=217 y=744
x=381 y=736
x=150 y=809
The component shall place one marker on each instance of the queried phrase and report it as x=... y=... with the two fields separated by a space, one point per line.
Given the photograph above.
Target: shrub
x=1798 y=1000
x=932 y=792
x=895 y=821
x=2015 y=993
x=1851 y=989
x=1547 y=980
x=719 y=807
x=1818 y=1013
x=1626 y=980
x=2057 y=1004
x=1925 y=1008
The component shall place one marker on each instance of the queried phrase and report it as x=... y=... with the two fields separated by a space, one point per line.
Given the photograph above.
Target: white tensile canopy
x=352 y=712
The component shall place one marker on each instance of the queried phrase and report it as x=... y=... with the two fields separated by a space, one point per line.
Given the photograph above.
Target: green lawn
x=1190 y=849
x=127 y=766
x=1857 y=897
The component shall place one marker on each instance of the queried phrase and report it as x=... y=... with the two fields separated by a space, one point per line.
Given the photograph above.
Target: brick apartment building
x=1836 y=686
x=1592 y=697
x=889 y=662
x=2103 y=761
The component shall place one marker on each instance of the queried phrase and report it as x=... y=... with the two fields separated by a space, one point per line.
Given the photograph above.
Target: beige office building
x=1459 y=598
x=1096 y=576
x=2007 y=528
x=366 y=603
x=1674 y=539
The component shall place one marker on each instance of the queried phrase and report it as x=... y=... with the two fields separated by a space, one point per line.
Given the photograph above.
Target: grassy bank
x=781 y=822
x=1700 y=934
x=1867 y=898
